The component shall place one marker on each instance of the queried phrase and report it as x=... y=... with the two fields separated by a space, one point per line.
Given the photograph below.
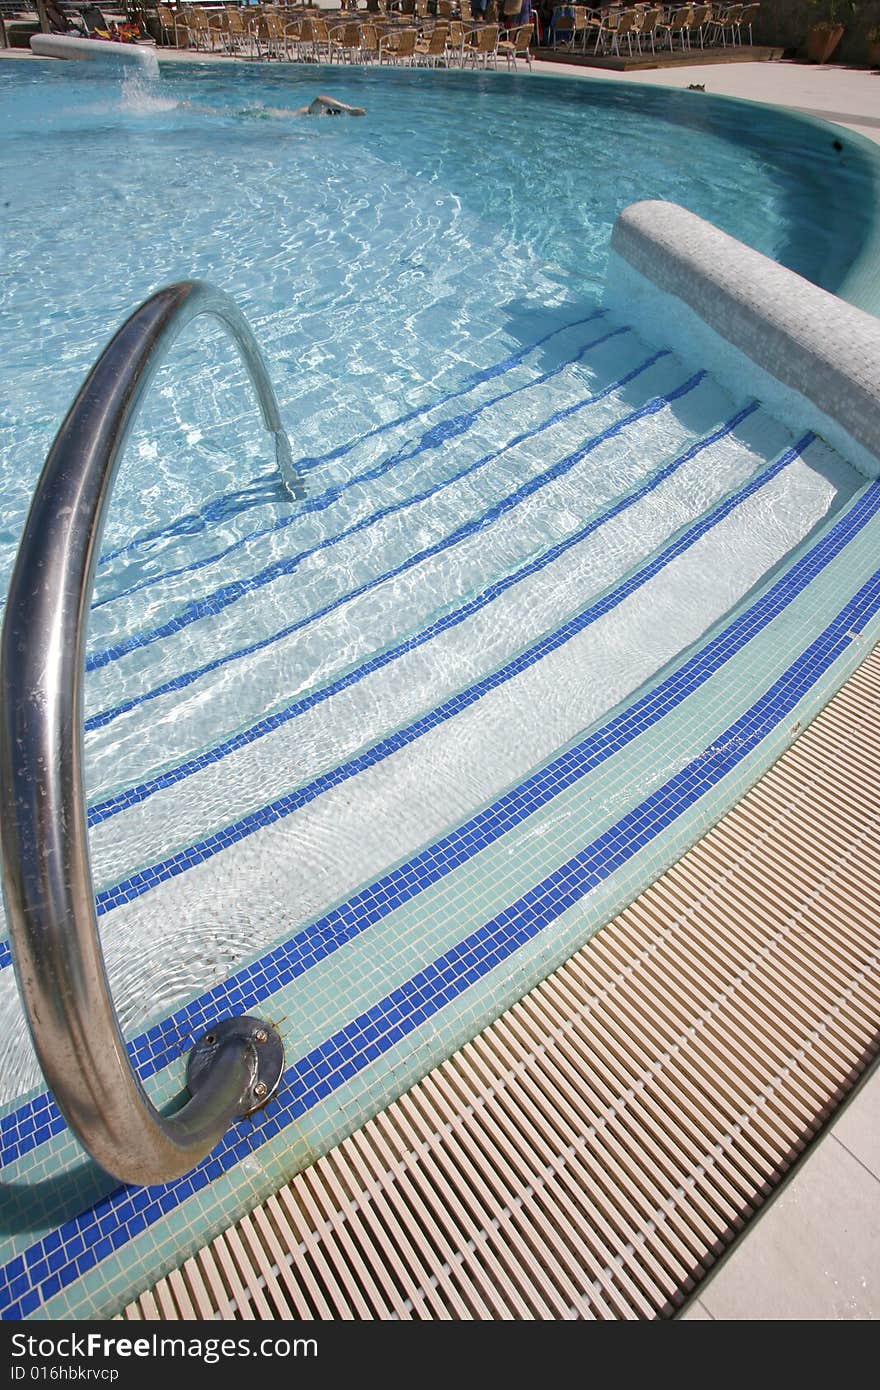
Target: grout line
x=854 y=1156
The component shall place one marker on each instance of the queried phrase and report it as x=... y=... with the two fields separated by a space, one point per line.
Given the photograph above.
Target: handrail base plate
x=268 y=1050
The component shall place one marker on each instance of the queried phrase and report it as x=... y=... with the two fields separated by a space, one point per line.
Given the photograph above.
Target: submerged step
x=266 y=834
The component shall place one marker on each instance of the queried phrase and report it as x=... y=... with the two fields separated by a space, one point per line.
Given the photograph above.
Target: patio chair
x=293 y=33
x=724 y=25
x=278 y=35
x=369 y=43
x=615 y=27
x=483 y=46
x=455 y=41
x=431 y=51
x=517 y=46
x=93 y=20
x=398 y=47
x=676 y=26
x=198 y=31
x=218 y=26
x=345 y=43
x=746 y=20
x=701 y=18
x=585 y=24
x=239 y=38
x=320 y=49
x=167 y=25
x=303 y=43
x=648 y=28
x=562 y=27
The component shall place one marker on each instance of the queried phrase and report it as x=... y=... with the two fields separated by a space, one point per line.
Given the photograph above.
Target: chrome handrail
x=47 y=878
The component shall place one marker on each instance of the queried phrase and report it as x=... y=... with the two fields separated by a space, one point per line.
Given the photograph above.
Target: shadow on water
x=527 y=323
x=816 y=165
x=826 y=181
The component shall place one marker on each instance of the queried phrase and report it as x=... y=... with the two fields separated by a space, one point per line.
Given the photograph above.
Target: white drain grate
x=593 y=1152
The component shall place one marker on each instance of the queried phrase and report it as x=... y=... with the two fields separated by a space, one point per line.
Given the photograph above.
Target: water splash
x=141 y=91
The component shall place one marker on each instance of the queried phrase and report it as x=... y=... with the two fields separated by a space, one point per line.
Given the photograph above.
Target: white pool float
x=91 y=50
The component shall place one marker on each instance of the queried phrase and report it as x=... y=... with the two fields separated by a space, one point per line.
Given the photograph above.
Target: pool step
x=321 y=556
x=387 y=984
x=573 y=638
x=250 y=842
x=595 y=1152
x=551 y=553
x=521 y=395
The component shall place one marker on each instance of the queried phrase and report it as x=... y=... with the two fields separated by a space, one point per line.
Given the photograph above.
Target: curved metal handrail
x=47 y=878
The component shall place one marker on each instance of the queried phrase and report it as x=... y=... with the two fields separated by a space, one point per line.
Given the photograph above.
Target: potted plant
x=824 y=36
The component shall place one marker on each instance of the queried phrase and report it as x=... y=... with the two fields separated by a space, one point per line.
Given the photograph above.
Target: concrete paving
x=814 y=1255
x=847 y=96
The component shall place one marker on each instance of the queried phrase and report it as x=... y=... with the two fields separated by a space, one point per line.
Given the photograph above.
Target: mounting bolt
x=260 y=1089
x=261 y=1036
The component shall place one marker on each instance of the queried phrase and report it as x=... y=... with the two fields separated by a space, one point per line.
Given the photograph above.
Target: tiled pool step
x=557 y=621
x=549 y=563
x=215 y=830
x=596 y=1150
x=400 y=462
x=383 y=897
x=686 y=748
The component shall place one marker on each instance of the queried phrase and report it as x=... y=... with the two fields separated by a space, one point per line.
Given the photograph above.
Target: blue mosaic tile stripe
x=222 y=508
x=249 y=987
x=470 y=383
x=151 y=875
x=227 y=594
x=104 y=717
x=113 y=805
x=433 y=438
x=5 y=954
x=75 y=1247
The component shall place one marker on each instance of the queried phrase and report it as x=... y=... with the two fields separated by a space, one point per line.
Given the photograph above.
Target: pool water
x=427 y=285
x=376 y=759
x=379 y=260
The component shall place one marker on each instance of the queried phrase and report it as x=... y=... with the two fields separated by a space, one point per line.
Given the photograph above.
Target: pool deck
x=814 y=1254
x=847 y=96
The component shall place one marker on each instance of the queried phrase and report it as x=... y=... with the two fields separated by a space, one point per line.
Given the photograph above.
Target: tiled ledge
x=823 y=353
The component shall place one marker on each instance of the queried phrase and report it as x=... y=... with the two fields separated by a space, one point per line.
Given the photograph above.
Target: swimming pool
x=380 y=758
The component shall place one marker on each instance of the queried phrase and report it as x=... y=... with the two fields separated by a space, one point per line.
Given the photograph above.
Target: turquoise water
x=427 y=284
x=372 y=763
x=377 y=259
